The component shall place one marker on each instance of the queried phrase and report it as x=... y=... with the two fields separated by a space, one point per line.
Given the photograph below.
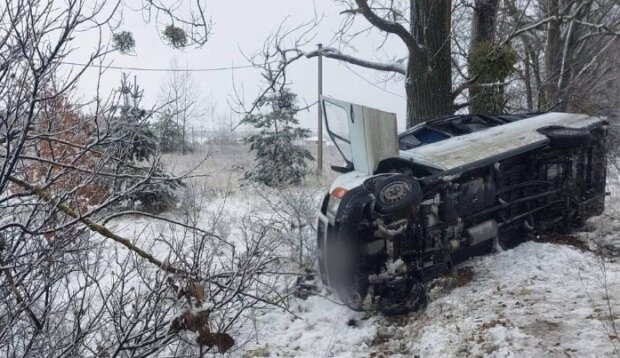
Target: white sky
x=244 y=25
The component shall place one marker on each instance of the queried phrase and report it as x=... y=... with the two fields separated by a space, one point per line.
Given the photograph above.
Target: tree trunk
x=527 y=80
x=484 y=21
x=552 y=55
x=429 y=78
x=540 y=98
x=483 y=24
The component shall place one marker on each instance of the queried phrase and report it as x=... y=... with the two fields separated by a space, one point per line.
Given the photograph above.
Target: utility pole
x=319 y=154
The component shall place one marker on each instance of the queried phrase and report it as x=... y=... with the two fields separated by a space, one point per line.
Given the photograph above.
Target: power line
x=146 y=69
x=371 y=83
x=211 y=69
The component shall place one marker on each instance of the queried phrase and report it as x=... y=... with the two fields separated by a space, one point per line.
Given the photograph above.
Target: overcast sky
x=243 y=25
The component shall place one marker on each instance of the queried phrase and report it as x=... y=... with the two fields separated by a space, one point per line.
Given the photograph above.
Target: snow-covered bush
x=293 y=214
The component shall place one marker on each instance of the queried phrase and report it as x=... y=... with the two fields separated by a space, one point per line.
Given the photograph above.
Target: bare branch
x=330 y=52
x=387 y=26
x=100 y=229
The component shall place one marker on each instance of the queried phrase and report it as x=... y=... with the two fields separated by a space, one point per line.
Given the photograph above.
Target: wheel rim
x=394 y=192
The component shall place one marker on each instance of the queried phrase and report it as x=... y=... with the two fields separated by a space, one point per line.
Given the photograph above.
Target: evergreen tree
x=132 y=142
x=133 y=138
x=280 y=161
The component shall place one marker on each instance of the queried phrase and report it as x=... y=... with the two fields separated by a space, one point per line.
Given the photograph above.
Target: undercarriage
x=405 y=226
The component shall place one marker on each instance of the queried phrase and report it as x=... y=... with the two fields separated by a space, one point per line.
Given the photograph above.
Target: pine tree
x=132 y=142
x=133 y=139
x=280 y=161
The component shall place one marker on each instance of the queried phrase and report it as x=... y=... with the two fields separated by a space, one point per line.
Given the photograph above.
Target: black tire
x=397 y=194
x=562 y=137
x=342 y=255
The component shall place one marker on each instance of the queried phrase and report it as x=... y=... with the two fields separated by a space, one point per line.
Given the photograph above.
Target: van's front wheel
x=345 y=270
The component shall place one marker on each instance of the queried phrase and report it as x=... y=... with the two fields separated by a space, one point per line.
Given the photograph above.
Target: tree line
x=486 y=56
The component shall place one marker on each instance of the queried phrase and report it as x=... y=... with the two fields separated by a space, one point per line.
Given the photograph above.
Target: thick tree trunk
x=429 y=77
x=483 y=25
x=484 y=21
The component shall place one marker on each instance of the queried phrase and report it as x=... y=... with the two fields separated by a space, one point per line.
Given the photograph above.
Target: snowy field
x=540 y=299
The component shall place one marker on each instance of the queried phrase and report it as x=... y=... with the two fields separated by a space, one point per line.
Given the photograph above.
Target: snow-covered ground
x=538 y=299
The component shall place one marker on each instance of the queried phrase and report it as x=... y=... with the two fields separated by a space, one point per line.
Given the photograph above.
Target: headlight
x=334 y=200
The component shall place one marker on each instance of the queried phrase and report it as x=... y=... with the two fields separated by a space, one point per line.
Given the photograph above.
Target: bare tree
x=71 y=284
x=567 y=60
x=183 y=103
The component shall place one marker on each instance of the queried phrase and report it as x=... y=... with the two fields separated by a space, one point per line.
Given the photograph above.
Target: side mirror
x=342 y=170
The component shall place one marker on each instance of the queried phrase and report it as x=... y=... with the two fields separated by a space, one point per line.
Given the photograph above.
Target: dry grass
x=224 y=164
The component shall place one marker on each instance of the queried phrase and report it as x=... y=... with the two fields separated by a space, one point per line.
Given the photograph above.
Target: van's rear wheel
x=562 y=137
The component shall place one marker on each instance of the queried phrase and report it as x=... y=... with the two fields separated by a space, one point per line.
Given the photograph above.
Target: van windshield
x=420 y=137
